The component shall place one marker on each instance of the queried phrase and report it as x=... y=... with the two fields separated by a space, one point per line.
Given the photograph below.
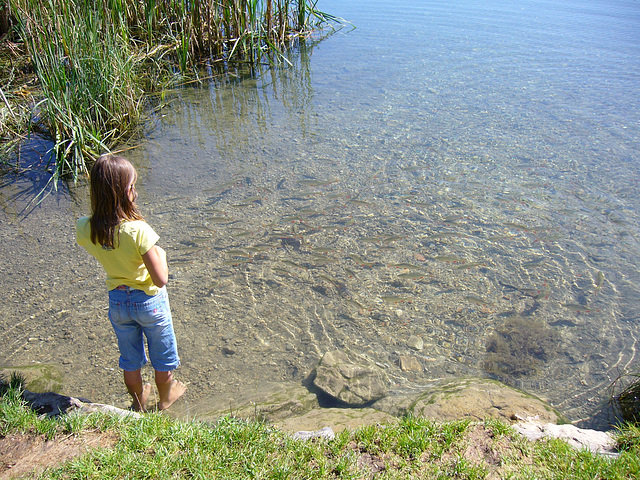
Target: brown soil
x=27 y=453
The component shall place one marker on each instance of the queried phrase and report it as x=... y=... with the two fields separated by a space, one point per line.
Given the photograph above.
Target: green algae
x=520 y=347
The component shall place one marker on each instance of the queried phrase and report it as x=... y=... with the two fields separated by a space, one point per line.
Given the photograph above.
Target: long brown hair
x=111 y=177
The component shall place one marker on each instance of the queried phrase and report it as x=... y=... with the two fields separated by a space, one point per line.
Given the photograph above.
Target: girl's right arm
x=156 y=262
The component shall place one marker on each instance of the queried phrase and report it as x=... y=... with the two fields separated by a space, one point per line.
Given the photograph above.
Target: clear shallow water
x=459 y=172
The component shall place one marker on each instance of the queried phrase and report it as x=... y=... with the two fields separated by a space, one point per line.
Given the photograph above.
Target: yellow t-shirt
x=123 y=264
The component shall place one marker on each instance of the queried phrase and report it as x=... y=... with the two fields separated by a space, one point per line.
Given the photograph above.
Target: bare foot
x=176 y=390
x=140 y=401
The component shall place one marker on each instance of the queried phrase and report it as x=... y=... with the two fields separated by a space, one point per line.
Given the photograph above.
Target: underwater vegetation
x=625 y=396
x=519 y=347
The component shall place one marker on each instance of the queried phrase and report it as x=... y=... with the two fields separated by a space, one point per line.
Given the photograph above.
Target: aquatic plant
x=624 y=396
x=16 y=99
x=88 y=79
x=96 y=61
x=16 y=382
x=519 y=347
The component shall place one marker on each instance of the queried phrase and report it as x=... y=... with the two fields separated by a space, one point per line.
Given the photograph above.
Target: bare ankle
x=169 y=390
x=139 y=403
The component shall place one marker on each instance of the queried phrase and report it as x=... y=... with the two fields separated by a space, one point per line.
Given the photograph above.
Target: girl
x=118 y=237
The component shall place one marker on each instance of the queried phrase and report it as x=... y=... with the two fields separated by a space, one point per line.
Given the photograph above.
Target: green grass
x=157 y=446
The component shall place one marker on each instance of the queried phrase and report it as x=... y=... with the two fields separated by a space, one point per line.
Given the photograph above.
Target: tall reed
x=96 y=60
x=88 y=79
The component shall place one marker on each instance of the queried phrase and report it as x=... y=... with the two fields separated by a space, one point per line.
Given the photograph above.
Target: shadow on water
x=26 y=182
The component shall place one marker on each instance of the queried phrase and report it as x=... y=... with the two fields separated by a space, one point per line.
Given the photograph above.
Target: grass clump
x=624 y=394
x=88 y=76
x=156 y=446
x=15 y=417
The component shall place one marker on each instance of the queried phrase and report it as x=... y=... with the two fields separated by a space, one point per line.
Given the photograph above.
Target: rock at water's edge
x=593 y=440
x=480 y=398
x=326 y=433
x=54 y=405
x=289 y=407
x=339 y=418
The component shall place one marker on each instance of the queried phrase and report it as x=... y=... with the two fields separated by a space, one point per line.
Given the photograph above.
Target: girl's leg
x=131 y=345
x=169 y=390
x=139 y=392
x=153 y=314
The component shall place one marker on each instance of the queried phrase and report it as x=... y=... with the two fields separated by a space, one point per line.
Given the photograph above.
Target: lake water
x=464 y=172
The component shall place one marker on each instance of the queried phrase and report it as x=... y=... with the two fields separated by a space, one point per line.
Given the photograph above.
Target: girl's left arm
x=156 y=262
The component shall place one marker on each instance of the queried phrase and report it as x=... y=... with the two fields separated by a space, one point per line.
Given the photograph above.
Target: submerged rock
x=415 y=343
x=480 y=398
x=289 y=407
x=350 y=379
x=409 y=364
x=38 y=378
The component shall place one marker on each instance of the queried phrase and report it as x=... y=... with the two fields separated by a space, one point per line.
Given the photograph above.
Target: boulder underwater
x=350 y=379
x=478 y=398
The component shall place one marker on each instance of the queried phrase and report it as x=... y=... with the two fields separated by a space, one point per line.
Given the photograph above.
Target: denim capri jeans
x=135 y=315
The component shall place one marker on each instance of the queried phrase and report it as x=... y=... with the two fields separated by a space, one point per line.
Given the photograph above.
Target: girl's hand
x=156 y=262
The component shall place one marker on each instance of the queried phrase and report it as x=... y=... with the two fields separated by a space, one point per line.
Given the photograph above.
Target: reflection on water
x=423 y=175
